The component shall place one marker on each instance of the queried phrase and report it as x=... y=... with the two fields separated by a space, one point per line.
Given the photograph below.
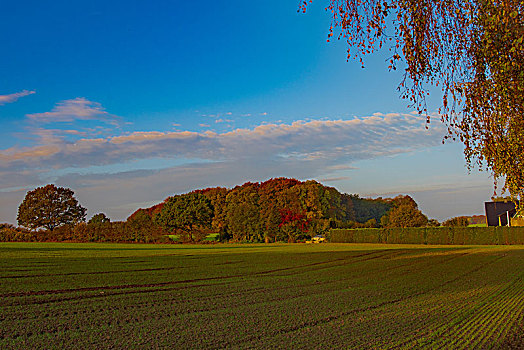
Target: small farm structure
x=502 y=213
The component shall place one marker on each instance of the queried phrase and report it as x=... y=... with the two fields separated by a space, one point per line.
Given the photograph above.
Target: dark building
x=496 y=212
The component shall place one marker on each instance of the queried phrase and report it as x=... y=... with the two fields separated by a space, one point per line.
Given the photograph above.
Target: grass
x=212 y=237
x=56 y=295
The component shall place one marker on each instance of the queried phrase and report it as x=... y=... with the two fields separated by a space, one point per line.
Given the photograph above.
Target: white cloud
x=333 y=141
x=334 y=179
x=14 y=97
x=79 y=108
x=341 y=167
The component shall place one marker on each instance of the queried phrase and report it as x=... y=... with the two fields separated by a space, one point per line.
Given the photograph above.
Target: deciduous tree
x=433 y=223
x=217 y=196
x=191 y=213
x=243 y=214
x=99 y=218
x=50 y=207
x=366 y=208
x=293 y=224
x=459 y=221
x=404 y=215
x=473 y=50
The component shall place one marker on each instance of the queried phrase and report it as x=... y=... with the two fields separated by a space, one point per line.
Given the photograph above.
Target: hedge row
x=82 y=232
x=430 y=235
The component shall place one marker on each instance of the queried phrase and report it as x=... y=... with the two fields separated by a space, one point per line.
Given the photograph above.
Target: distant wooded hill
x=279 y=209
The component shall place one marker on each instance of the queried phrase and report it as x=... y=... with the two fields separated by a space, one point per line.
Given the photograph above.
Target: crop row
x=377 y=298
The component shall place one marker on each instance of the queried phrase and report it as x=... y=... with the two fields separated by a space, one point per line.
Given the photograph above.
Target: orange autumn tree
x=473 y=50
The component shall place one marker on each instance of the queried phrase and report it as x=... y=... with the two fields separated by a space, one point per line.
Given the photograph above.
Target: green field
x=260 y=296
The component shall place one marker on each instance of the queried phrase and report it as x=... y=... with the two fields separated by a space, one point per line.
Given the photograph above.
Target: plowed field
x=93 y=296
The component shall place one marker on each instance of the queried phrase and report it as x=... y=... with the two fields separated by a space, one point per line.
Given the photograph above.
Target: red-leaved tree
x=293 y=224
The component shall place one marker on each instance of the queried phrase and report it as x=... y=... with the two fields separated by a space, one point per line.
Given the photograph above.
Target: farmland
x=55 y=295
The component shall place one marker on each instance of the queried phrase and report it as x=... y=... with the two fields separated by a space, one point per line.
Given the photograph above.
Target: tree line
x=276 y=210
x=279 y=209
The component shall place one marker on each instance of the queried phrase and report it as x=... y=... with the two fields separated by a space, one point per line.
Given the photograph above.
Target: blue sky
x=129 y=102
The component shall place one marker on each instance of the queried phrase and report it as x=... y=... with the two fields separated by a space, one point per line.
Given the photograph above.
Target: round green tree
x=99 y=218
x=50 y=207
x=190 y=213
x=404 y=215
x=459 y=221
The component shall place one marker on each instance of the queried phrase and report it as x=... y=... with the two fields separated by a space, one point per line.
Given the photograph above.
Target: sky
x=128 y=102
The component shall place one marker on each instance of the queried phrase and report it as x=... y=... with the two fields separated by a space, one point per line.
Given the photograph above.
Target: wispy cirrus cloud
x=334 y=179
x=14 y=97
x=79 y=108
